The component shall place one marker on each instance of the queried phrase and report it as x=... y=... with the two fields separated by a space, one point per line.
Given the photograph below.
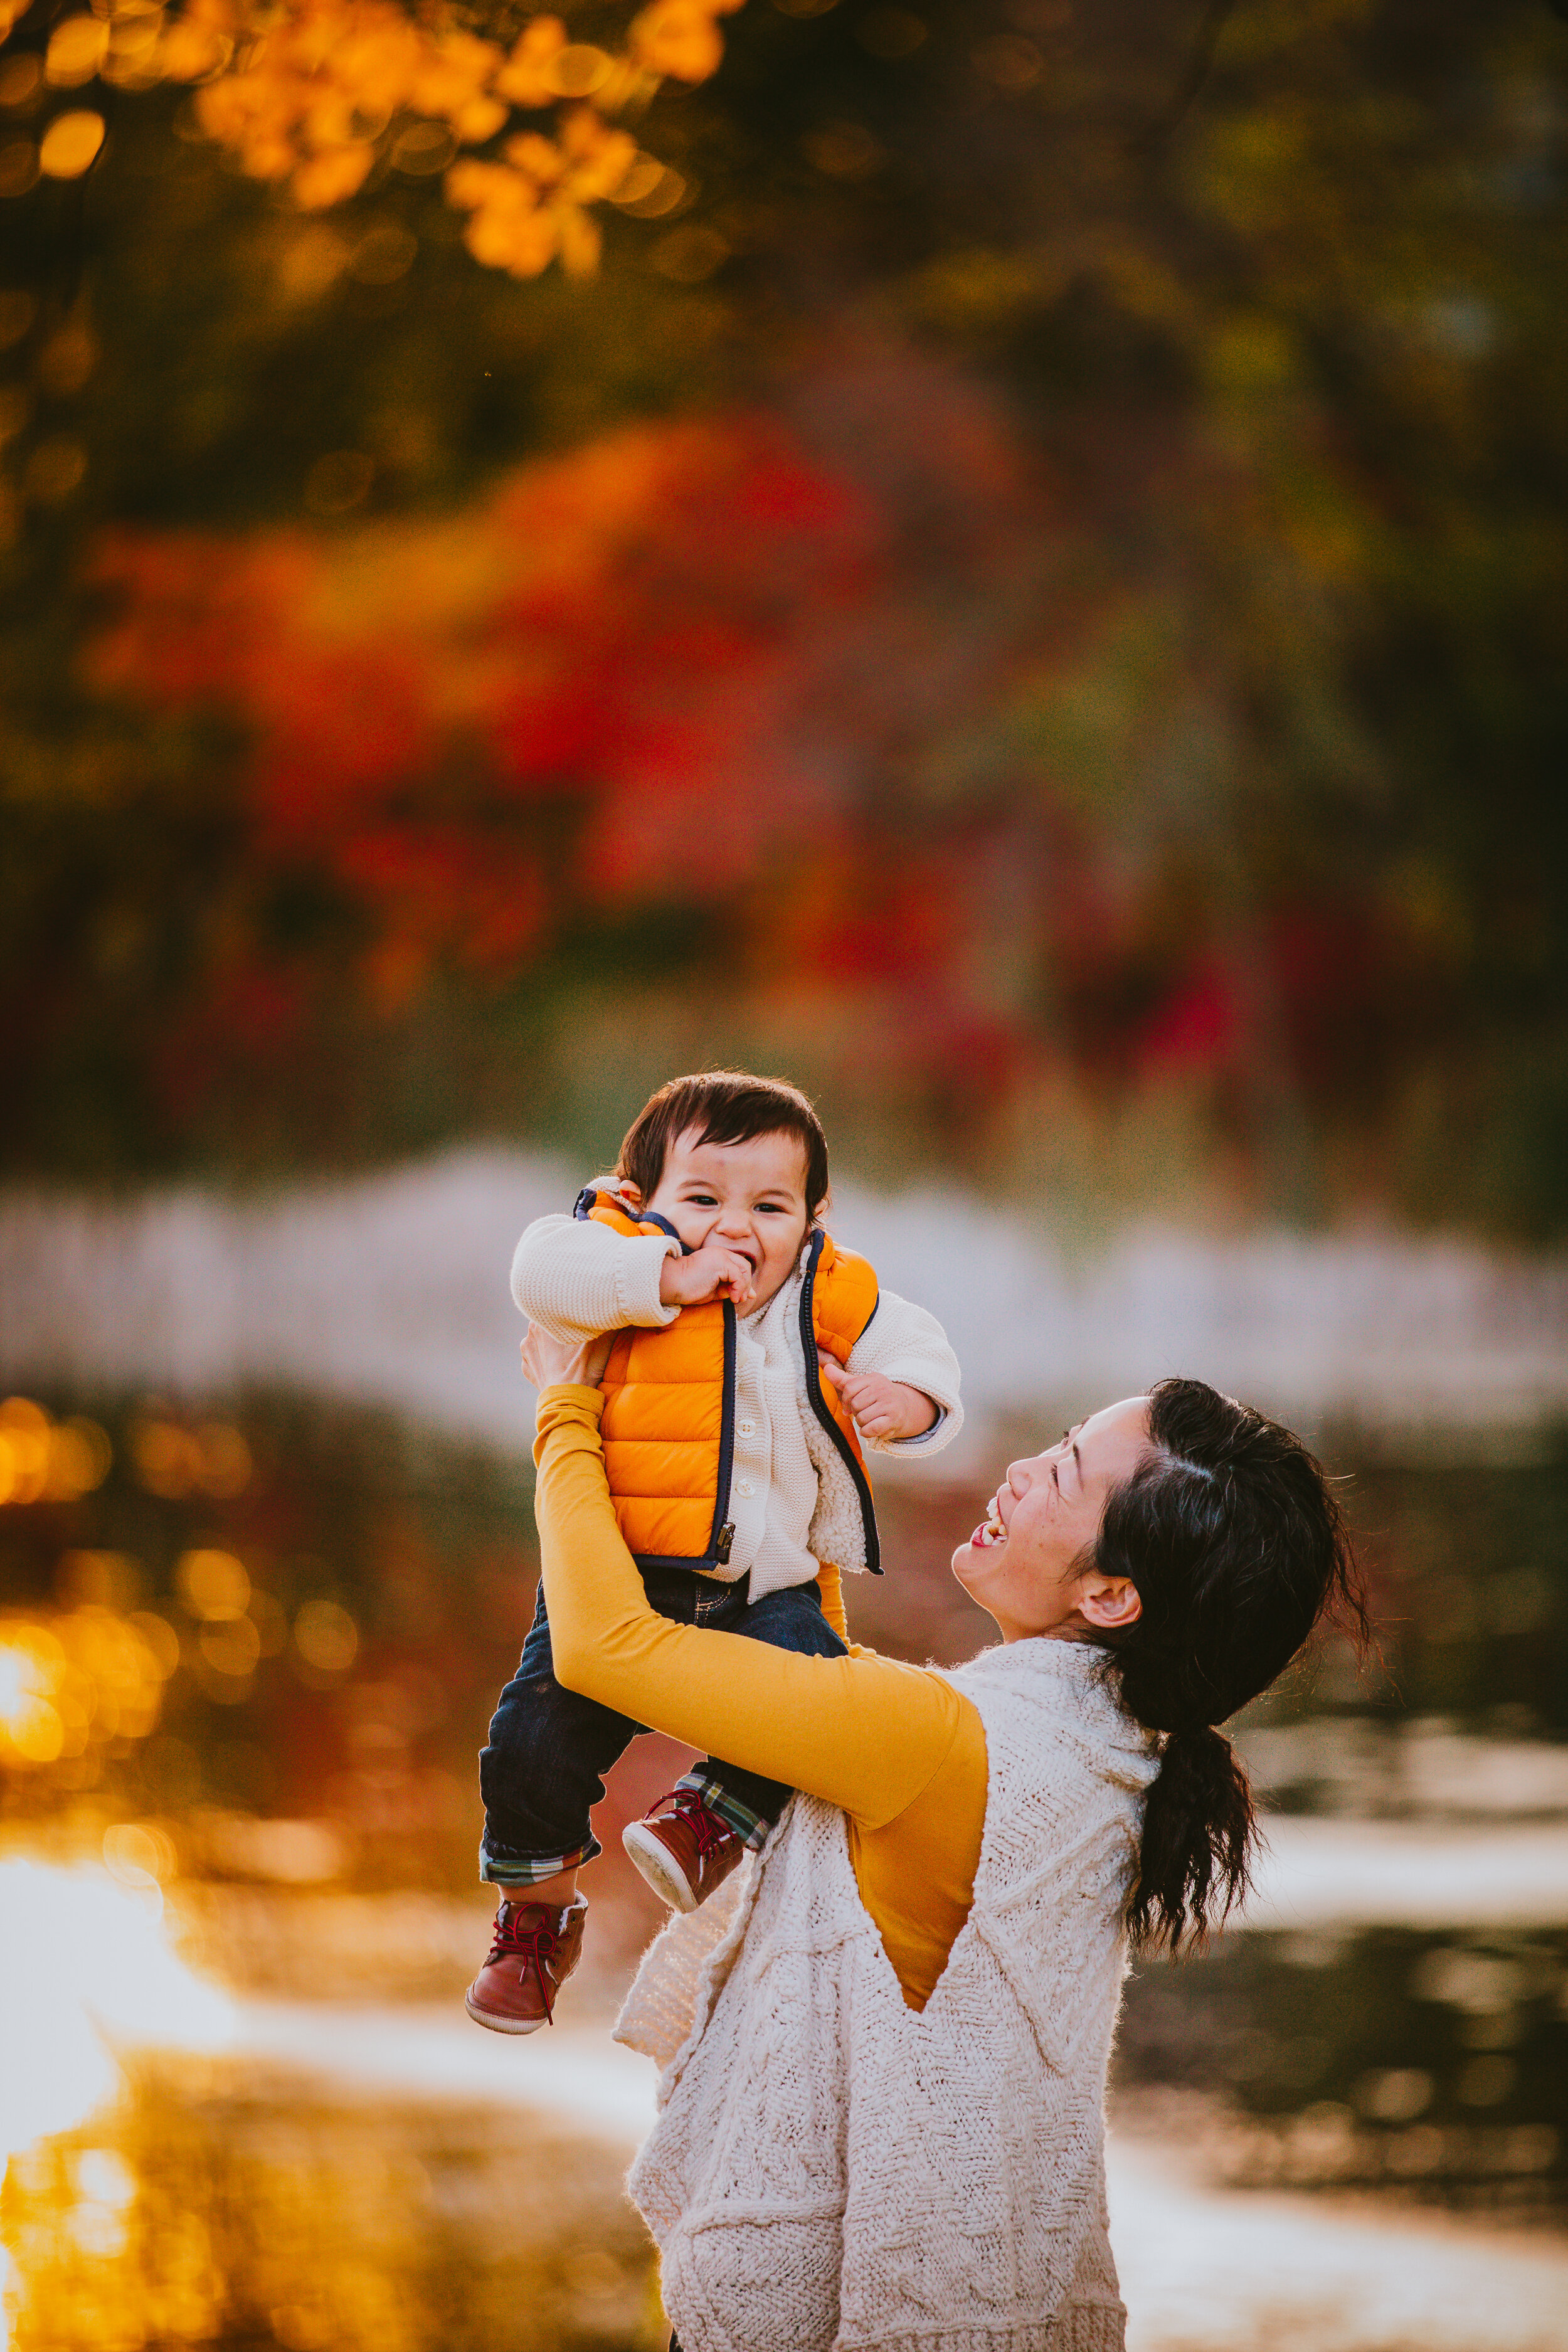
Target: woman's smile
x=992 y=1527
x=1026 y=1563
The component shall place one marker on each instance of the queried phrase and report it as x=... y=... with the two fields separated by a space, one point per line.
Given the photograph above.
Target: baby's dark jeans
x=543 y=1771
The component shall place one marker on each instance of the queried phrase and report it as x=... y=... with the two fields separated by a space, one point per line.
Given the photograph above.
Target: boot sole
x=663 y=1873
x=488 y=2017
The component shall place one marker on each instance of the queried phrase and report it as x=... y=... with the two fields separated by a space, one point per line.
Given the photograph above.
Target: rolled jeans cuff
x=529 y=1870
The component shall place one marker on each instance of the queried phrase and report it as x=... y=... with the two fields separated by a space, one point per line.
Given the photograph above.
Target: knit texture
x=576 y=1278
x=792 y=1498
x=831 y=2170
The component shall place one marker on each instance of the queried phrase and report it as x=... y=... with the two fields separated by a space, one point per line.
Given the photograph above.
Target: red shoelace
x=535 y=1945
x=709 y=1831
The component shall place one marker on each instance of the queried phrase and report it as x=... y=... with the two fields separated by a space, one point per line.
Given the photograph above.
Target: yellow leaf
x=479 y=120
x=490 y=187
x=326 y=122
x=328 y=178
x=676 y=38
x=268 y=155
x=602 y=173
x=69 y=144
x=452 y=74
x=76 y=49
x=523 y=243
x=524 y=79
x=470 y=184
x=190 y=50
x=536 y=156
x=465 y=54
x=224 y=107
x=580 y=241
x=534 y=247
x=379 y=68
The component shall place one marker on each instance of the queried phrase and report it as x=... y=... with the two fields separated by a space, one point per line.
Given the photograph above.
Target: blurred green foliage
x=1191 y=761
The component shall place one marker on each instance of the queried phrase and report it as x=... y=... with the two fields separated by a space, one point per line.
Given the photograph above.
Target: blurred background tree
x=1025 y=587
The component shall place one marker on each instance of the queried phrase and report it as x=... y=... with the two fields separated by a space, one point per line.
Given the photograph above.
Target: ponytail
x=1194 y=1857
x=1233 y=1539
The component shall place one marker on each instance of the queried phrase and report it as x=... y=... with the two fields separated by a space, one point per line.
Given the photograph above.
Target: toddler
x=754 y=1356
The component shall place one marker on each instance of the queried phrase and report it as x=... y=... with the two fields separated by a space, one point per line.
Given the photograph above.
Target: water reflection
x=1436 y=2064
x=84 y=1963
x=268 y=1638
x=207 y=2210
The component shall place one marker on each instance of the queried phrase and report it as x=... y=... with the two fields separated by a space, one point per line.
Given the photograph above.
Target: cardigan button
x=746 y=1428
x=744 y=1487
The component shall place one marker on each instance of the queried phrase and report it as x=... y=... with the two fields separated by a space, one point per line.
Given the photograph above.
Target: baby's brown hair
x=724 y=1106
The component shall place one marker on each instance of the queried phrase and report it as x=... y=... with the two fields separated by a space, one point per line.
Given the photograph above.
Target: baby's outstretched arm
x=901 y=1382
x=883 y=1410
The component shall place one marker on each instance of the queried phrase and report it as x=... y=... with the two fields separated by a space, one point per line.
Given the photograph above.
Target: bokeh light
x=71 y=143
x=73 y=1683
x=44 y=1461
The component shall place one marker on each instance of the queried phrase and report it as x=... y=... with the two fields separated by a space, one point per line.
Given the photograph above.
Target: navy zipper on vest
x=722 y=1534
x=819 y=1405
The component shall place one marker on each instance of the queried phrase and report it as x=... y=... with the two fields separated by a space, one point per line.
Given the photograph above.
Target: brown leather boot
x=534 y=1952
x=683 y=1848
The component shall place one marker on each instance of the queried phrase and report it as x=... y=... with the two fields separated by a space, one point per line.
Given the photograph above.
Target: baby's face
x=748 y=1197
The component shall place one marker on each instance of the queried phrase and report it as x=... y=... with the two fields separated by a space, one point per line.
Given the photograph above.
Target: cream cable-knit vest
x=831 y=2170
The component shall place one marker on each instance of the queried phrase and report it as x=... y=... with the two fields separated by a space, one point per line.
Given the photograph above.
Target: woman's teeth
x=992 y=1531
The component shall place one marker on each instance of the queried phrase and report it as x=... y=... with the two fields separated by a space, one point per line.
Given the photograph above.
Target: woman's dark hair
x=1237 y=1548
x=724 y=1106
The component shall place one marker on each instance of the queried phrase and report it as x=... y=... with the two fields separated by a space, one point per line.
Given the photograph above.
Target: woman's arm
x=863 y=1732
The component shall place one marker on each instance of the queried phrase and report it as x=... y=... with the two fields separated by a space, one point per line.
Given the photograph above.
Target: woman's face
x=1022 y=1564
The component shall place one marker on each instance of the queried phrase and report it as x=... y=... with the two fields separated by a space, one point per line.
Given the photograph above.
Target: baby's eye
x=702 y=1201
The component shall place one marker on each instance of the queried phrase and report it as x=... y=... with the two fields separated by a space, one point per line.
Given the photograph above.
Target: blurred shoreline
x=392 y=1290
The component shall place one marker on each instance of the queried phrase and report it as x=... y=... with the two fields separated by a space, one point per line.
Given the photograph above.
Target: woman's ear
x=1112 y=1601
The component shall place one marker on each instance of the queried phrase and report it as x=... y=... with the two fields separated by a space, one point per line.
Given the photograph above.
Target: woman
x=883 y=2126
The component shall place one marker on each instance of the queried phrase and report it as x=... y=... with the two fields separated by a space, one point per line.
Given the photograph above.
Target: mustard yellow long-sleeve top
x=894 y=1745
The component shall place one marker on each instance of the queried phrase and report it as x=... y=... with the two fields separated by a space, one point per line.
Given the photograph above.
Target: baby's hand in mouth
x=713 y=1272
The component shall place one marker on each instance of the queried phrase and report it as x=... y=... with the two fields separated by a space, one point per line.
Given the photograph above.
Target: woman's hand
x=550 y=1363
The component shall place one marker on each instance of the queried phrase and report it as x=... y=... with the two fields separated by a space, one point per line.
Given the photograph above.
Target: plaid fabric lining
x=745 y=1824
x=541 y=1866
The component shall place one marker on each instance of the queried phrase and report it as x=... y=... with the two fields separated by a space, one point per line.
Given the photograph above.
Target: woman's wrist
x=572 y=1393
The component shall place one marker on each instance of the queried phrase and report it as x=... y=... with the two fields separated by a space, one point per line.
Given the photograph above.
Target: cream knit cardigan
x=831 y=2172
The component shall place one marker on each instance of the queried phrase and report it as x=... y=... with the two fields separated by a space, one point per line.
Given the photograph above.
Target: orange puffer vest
x=669 y=1403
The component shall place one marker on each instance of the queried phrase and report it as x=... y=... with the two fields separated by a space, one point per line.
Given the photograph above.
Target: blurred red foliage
x=867 y=699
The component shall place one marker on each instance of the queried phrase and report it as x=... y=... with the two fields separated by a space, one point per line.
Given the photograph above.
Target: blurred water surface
x=392 y=1290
